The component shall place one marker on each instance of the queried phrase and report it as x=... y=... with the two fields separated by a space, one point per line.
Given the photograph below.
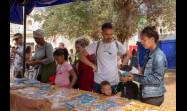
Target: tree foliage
x=128 y=16
x=76 y=19
x=136 y=14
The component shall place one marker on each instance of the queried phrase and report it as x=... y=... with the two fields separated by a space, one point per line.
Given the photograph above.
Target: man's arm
x=126 y=58
x=124 y=53
x=18 y=53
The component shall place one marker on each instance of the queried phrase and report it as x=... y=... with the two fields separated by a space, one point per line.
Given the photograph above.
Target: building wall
x=31 y=25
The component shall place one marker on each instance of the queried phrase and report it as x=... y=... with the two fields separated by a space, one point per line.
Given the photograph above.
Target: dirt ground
x=170 y=84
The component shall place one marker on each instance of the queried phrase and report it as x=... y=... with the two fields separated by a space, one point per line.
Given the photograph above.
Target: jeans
x=153 y=100
x=97 y=88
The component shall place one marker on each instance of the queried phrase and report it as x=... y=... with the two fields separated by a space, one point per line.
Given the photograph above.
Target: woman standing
x=152 y=79
x=85 y=72
x=43 y=57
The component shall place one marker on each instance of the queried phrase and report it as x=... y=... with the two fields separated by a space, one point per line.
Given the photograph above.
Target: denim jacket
x=152 y=80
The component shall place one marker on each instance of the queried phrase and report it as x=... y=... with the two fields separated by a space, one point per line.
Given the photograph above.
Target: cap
x=38 y=33
x=17 y=35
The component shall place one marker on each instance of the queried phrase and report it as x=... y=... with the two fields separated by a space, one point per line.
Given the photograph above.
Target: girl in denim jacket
x=151 y=78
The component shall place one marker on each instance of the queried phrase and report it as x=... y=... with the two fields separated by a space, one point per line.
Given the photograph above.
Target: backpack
x=129 y=89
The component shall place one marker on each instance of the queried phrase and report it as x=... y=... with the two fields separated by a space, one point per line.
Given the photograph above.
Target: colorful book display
x=77 y=100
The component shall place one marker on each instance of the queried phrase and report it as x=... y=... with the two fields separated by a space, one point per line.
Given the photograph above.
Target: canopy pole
x=24 y=42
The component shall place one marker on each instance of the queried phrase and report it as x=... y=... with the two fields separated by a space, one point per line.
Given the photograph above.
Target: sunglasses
x=16 y=39
x=36 y=38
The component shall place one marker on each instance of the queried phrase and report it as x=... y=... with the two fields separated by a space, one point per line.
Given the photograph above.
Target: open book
x=133 y=71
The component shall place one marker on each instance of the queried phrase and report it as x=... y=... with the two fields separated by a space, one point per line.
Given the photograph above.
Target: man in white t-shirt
x=18 y=61
x=105 y=52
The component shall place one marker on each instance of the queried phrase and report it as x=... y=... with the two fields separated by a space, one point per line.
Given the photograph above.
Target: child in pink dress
x=64 y=70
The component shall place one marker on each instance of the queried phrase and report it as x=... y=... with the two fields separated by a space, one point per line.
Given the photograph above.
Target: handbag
x=46 y=71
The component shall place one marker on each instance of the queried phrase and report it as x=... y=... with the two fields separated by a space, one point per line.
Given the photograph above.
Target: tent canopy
x=16 y=8
x=167 y=46
x=17 y=16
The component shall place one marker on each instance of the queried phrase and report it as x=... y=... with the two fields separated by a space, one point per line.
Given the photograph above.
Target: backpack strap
x=45 y=55
x=98 y=47
x=45 y=52
x=96 y=52
x=117 y=45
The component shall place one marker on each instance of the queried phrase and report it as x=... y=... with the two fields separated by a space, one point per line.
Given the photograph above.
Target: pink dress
x=62 y=74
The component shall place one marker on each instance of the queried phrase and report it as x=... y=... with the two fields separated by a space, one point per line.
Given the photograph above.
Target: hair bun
x=153 y=28
x=150 y=31
x=83 y=41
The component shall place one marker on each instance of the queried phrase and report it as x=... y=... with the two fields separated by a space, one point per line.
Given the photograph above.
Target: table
x=20 y=102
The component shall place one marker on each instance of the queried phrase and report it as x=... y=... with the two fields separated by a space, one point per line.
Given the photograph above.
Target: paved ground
x=170 y=95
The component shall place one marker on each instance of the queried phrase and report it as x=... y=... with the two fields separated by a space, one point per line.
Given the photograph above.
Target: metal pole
x=24 y=42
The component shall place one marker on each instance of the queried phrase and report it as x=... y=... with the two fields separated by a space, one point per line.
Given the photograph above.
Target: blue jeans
x=97 y=88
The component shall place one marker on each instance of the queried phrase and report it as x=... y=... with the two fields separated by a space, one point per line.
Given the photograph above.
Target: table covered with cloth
x=45 y=97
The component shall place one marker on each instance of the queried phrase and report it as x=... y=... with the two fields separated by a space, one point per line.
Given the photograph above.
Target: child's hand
x=140 y=70
x=127 y=78
x=124 y=78
x=130 y=77
x=118 y=94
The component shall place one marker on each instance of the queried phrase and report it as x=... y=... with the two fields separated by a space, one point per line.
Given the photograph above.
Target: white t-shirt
x=18 y=62
x=106 y=61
